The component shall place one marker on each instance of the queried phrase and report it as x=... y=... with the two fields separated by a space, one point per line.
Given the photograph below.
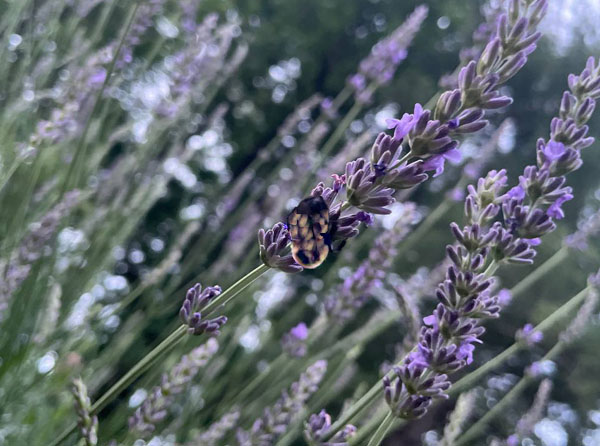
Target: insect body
x=311 y=231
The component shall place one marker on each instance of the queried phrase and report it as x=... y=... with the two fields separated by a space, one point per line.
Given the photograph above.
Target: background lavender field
x=145 y=144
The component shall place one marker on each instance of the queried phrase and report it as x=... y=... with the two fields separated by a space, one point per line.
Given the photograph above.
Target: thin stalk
x=382 y=431
x=424 y=227
x=503 y=405
x=549 y=322
x=469 y=379
x=540 y=271
x=363 y=433
x=165 y=346
x=80 y=148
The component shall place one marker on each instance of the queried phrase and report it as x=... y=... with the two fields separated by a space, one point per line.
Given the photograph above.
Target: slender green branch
x=477 y=429
x=165 y=346
x=78 y=157
x=551 y=263
x=383 y=430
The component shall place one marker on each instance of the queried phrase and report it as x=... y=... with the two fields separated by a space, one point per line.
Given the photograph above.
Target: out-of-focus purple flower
x=191 y=311
x=294 y=342
x=275 y=420
x=217 y=430
x=318 y=426
x=32 y=248
x=381 y=64
x=504 y=297
x=585 y=229
x=347 y=299
x=155 y=407
x=529 y=335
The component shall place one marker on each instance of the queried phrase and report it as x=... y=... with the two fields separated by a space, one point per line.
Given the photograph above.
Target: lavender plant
x=155 y=406
x=151 y=111
x=447 y=341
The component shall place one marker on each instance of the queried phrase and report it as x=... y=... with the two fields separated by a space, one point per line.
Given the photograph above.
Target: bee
x=312 y=230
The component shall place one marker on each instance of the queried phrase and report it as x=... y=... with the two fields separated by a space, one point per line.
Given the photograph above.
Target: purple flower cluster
x=343 y=303
x=527 y=422
x=424 y=140
x=318 y=426
x=273 y=245
x=190 y=313
x=273 y=423
x=585 y=230
x=217 y=430
x=447 y=340
x=155 y=406
x=529 y=335
x=32 y=248
x=386 y=55
x=88 y=423
x=294 y=342
x=199 y=62
x=143 y=20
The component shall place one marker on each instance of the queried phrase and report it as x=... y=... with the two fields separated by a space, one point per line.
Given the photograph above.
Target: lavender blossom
x=275 y=420
x=217 y=431
x=581 y=321
x=88 y=423
x=32 y=248
x=294 y=342
x=427 y=136
x=449 y=336
x=386 y=55
x=347 y=299
x=585 y=230
x=274 y=252
x=195 y=300
x=459 y=416
x=155 y=407
x=529 y=336
x=143 y=20
x=527 y=422
x=317 y=427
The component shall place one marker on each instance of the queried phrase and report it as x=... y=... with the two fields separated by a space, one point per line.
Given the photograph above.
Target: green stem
x=80 y=148
x=503 y=405
x=365 y=430
x=540 y=271
x=549 y=322
x=467 y=381
x=382 y=431
x=165 y=346
x=424 y=227
x=230 y=293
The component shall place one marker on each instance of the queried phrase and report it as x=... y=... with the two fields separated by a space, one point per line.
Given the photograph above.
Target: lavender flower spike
x=195 y=300
x=88 y=423
x=155 y=407
x=319 y=424
x=354 y=292
x=275 y=420
x=294 y=342
x=448 y=339
x=273 y=245
x=215 y=433
x=387 y=54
